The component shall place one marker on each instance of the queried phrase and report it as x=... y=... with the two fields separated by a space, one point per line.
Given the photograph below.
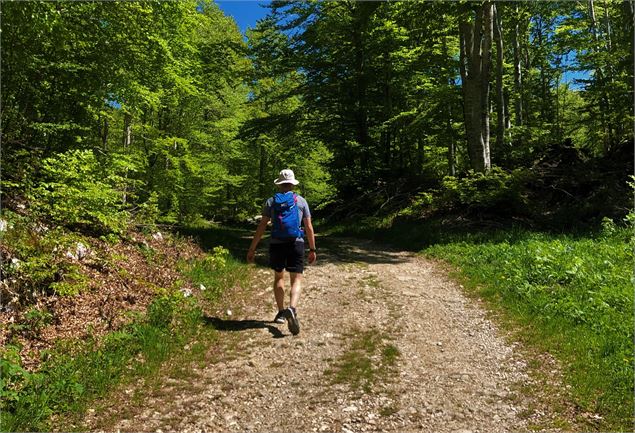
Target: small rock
x=3 y=225
x=81 y=250
x=157 y=236
x=439 y=343
x=202 y=287
x=186 y=292
x=229 y=312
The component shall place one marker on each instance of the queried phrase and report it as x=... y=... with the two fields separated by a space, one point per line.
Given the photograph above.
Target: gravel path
x=451 y=371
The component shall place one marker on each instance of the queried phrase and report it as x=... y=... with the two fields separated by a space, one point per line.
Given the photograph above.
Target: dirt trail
x=451 y=370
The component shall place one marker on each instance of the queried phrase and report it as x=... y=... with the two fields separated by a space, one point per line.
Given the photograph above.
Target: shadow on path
x=348 y=250
x=241 y=325
x=331 y=249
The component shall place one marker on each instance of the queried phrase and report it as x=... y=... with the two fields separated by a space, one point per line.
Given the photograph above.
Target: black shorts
x=289 y=256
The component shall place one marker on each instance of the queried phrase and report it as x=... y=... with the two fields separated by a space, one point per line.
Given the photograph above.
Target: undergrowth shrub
x=35 y=260
x=77 y=191
x=216 y=272
x=497 y=192
x=31 y=324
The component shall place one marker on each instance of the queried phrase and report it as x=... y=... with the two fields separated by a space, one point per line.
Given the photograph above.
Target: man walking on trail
x=287 y=212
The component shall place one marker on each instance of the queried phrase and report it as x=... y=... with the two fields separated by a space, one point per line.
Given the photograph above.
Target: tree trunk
x=361 y=113
x=501 y=107
x=261 y=172
x=386 y=132
x=518 y=100
x=475 y=54
x=607 y=23
x=103 y=132
x=605 y=105
x=127 y=140
x=543 y=80
x=594 y=25
x=451 y=145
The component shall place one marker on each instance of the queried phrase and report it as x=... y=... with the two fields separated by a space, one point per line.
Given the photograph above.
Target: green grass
x=368 y=360
x=78 y=372
x=217 y=272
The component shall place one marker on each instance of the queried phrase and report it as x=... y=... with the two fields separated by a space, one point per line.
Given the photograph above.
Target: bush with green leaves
x=77 y=190
x=36 y=258
x=13 y=378
x=31 y=323
x=216 y=272
x=497 y=190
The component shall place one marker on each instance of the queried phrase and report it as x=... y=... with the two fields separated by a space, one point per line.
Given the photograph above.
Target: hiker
x=288 y=211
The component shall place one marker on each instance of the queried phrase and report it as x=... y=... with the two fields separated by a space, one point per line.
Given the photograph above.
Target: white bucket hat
x=286 y=176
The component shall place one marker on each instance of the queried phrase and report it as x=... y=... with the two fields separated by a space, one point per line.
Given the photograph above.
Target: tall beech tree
x=476 y=29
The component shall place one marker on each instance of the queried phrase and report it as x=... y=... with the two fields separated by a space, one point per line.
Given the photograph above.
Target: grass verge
x=75 y=373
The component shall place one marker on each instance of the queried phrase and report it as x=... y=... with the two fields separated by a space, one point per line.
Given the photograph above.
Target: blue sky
x=245 y=12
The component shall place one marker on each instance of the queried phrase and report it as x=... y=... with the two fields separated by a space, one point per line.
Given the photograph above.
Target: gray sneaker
x=280 y=317
x=292 y=321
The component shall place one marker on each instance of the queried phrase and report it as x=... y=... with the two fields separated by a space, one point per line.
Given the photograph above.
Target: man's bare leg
x=296 y=286
x=278 y=288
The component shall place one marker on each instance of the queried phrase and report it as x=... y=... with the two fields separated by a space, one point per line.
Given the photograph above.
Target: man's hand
x=312 y=257
x=251 y=254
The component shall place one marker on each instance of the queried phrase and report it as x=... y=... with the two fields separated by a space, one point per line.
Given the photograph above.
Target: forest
x=162 y=111
x=414 y=122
